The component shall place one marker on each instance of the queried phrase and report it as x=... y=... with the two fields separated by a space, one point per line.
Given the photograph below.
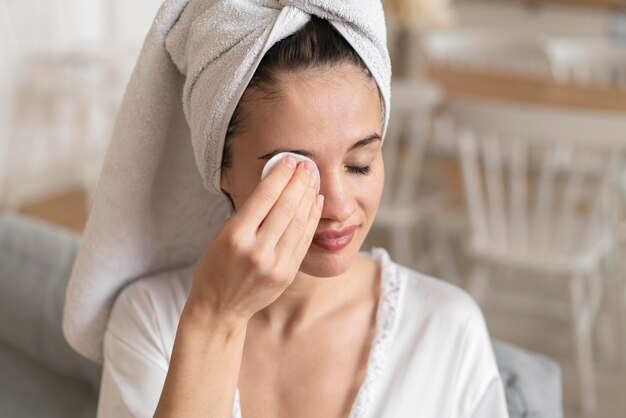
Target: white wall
x=28 y=27
x=53 y=25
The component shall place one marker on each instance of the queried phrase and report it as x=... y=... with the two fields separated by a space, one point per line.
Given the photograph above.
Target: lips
x=334 y=240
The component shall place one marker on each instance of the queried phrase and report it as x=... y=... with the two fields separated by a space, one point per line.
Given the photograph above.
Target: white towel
x=152 y=212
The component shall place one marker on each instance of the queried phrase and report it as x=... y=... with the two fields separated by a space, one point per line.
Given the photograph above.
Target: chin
x=321 y=263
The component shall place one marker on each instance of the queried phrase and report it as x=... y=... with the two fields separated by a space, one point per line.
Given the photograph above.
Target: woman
x=282 y=315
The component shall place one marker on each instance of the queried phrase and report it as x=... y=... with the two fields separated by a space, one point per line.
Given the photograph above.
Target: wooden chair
x=585 y=61
x=487 y=50
x=403 y=207
x=540 y=189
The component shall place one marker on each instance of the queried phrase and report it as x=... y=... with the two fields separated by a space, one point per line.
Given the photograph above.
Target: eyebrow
x=359 y=144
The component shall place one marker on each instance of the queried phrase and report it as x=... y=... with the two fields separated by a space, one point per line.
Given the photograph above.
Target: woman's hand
x=256 y=254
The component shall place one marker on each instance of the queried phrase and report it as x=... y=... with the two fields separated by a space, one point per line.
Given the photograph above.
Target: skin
x=266 y=307
x=322 y=114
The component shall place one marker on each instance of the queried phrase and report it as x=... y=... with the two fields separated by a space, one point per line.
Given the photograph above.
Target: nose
x=339 y=202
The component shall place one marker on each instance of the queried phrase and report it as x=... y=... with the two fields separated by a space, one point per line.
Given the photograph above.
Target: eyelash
x=360 y=170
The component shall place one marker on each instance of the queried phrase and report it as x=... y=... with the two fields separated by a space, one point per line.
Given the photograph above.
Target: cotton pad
x=276 y=158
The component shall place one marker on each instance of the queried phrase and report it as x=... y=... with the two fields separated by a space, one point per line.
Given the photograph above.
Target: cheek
x=368 y=191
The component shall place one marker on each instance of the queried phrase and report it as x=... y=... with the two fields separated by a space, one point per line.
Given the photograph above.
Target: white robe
x=431 y=356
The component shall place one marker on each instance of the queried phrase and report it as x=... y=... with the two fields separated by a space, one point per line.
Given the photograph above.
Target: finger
x=303 y=245
x=296 y=228
x=288 y=206
x=266 y=193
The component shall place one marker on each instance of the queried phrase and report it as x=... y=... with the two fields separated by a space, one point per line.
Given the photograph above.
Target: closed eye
x=360 y=170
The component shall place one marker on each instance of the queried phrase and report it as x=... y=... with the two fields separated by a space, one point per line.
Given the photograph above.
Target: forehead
x=319 y=109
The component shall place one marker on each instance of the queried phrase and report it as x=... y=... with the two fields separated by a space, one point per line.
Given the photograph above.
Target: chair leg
x=582 y=322
x=606 y=316
x=444 y=259
x=616 y=304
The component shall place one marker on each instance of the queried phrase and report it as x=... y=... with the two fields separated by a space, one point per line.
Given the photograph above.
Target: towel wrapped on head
x=219 y=44
x=151 y=211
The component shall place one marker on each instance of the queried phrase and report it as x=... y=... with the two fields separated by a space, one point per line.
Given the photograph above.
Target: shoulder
x=147 y=310
x=446 y=312
x=430 y=296
x=426 y=297
x=439 y=327
x=167 y=287
x=433 y=313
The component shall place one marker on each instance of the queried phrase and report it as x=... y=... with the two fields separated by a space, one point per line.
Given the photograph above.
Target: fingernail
x=291 y=162
x=319 y=201
x=314 y=180
x=309 y=167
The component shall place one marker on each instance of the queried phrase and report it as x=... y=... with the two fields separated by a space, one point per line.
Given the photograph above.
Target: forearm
x=204 y=367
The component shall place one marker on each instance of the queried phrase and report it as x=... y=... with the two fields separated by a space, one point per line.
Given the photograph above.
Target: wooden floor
x=68 y=209
x=537 y=334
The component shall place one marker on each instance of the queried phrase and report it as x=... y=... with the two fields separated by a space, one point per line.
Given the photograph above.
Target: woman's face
x=333 y=116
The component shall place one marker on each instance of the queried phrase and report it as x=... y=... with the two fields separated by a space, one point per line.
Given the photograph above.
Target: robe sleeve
x=492 y=403
x=134 y=366
x=481 y=390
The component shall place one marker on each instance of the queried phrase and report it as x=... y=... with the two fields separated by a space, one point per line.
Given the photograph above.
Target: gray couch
x=42 y=377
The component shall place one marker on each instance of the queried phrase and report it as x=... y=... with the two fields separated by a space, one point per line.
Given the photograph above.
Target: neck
x=309 y=298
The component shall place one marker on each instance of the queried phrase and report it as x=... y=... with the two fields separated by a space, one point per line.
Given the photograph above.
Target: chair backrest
x=537 y=180
x=585 y=61
x=488 y=50
x=412 y=107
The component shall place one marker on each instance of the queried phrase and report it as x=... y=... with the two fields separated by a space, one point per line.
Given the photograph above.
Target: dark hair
x=316 y=45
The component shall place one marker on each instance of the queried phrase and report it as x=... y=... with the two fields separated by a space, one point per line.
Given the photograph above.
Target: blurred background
x=504 y=158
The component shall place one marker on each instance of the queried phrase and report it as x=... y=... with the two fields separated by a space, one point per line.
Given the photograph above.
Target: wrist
x=201 y=317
